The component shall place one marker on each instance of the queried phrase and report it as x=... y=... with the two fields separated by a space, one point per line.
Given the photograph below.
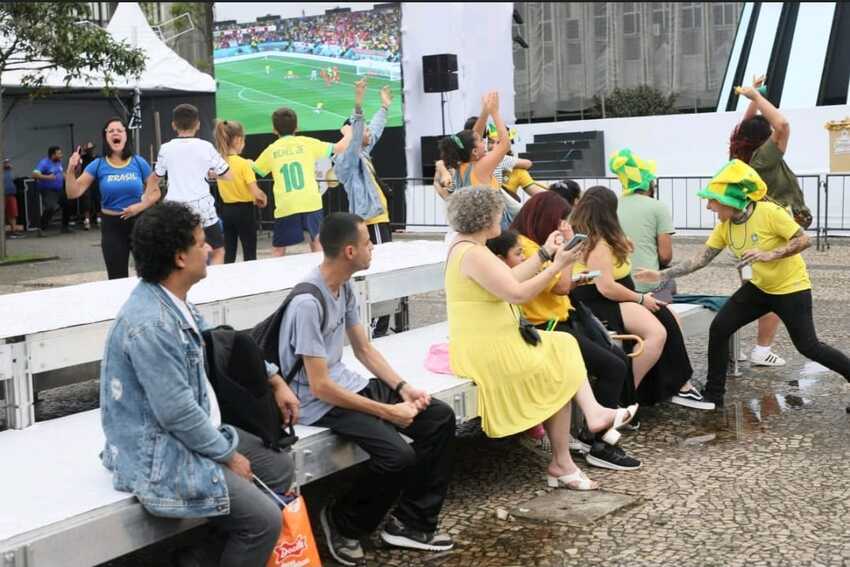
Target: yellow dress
x=519 y=385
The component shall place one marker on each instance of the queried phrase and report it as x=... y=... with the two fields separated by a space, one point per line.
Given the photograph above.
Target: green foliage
x=41 y=36
x=636 y=101
x=195 y=11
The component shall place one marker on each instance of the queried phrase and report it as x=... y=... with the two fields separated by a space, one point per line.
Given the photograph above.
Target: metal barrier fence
x=414 y=205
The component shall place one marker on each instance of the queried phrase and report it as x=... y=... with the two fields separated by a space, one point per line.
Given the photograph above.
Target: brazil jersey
x=292 y=162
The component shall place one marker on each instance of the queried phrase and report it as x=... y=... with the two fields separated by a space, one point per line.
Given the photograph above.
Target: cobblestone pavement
x=762 y=483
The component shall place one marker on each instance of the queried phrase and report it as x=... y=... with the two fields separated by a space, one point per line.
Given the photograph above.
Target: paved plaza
x=761 y=483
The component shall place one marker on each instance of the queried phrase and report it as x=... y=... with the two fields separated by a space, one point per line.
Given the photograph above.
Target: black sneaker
x=691 y=398
x=607 y=456
x=716 y=399
x=346 y=551
x=397 y=534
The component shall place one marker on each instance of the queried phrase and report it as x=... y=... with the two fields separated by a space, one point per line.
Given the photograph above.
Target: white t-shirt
x=505 y=166
x=215 y=411
x=186 y=161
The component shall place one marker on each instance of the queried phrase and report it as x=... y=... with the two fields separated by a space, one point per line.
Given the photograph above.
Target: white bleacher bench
x=67 y=513
x=46 y=335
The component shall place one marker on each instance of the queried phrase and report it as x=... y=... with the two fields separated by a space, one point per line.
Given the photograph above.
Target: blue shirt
x=120 y=187
x=49 y=167
x=8 y=183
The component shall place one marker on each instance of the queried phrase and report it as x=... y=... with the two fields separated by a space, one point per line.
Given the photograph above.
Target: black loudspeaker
x=430 y=154
x=439 y=72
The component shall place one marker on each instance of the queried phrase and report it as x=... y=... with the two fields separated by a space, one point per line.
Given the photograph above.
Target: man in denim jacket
x=165 y=442
x=355 y=170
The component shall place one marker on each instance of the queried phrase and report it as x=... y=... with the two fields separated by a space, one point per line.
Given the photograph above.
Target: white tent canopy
x=164 y=69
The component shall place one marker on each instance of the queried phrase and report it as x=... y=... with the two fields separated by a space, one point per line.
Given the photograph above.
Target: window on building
x=574 y=53
x=661 y=17
x=690 y=15
x=631 y=18
x=600 y=20
x=724 y=14
x=571 y=29
x=631 y=48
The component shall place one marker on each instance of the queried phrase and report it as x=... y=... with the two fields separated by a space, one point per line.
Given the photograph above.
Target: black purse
x=527 y=331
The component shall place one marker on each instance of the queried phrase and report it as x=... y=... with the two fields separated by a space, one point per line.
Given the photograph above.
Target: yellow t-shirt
x=380 y=217
x=292 y=162
x=237 y=190
x=769 y=227
x=620 y=270
x=547 y=305
x=333 y=183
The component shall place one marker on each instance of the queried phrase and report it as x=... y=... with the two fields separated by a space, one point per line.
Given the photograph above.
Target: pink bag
x=438 y=359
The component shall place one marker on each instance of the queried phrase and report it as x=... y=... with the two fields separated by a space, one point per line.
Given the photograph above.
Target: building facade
x=580 y=50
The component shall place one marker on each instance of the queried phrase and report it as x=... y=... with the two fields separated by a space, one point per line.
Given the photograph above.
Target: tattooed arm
x=700 y=260
x=796 y=244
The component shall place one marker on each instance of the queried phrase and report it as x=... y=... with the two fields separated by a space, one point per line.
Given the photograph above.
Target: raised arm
x=485 y=166
x=781 y=128
x=481 y=123
x=494 y=276
x=752 y=108
x=76 y=186
x=379 y=119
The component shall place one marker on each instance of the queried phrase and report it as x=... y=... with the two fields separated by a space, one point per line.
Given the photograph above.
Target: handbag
x=296 y=546
x=527 y=331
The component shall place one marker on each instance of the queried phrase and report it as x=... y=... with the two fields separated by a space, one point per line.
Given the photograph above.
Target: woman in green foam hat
x=768 y=242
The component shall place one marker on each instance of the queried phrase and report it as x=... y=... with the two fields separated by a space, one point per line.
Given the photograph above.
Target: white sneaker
x=766 y=358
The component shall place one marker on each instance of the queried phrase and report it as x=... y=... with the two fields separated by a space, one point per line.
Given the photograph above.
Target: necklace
x=747 y=214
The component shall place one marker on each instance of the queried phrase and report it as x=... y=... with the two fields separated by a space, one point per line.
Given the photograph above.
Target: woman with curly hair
x=524 y=376
x=761 y=140
x=663 y=371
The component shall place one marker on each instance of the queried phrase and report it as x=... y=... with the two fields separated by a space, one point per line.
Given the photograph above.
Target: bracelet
x=642 y=297
x=543 y=255
x=398 y=388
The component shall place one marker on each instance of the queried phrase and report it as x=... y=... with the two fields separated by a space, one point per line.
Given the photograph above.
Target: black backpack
x=237 y=372
x=267 y=332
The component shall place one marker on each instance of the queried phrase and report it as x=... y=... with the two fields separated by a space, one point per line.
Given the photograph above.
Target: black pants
x=115 y=244
x=610 y=367
x=748 y=304
x=379 y=234
x=50 y=202
x=419 y=473
x=240 y=223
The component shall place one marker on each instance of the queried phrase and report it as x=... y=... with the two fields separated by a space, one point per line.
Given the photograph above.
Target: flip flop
x=575 y=481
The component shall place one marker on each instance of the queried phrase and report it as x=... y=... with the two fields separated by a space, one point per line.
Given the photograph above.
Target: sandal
x=621 y=418
x=575 y=481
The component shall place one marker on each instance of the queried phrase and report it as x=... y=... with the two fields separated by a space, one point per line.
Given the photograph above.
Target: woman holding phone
x=550 y=310
x=121 y=177
x=663 y=371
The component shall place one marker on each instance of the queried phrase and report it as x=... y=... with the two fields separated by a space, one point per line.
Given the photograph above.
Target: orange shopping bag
x=296 y=546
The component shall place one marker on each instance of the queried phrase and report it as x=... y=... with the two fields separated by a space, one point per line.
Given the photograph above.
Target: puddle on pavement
x=739 y=419
x=812 y=368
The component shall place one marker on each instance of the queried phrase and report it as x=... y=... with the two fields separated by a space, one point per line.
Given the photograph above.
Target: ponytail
x=457 y=149
x=225 y=132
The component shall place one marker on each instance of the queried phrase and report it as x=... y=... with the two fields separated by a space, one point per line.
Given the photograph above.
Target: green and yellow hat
x=635 y=174
x=735 y=185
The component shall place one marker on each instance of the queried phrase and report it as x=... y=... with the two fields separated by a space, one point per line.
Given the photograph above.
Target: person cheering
x=767 y=242
x=121 y=177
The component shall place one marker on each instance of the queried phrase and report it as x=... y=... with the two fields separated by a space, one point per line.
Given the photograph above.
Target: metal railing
x=414 y=205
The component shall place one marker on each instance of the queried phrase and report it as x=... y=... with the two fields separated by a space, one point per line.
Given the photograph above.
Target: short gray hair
x=471 y=209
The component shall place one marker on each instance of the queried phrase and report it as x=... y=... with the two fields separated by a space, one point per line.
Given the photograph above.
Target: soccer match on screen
x=309 y=63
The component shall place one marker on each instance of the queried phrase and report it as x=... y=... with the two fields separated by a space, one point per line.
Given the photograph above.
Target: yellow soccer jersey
x=292 y=162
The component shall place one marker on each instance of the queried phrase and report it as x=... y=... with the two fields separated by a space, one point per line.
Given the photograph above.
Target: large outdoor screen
x=309 y=64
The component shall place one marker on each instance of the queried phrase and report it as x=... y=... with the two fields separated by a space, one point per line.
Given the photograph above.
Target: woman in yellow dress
x=519 y=384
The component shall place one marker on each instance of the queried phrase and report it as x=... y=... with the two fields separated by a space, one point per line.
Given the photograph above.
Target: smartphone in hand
x=586 y=276
x=575 y=241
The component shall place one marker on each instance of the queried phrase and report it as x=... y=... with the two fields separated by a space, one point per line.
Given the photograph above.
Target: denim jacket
x=155 y=411
x=352 y=167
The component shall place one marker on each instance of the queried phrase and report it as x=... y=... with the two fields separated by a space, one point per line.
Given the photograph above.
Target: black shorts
x=215 y=237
